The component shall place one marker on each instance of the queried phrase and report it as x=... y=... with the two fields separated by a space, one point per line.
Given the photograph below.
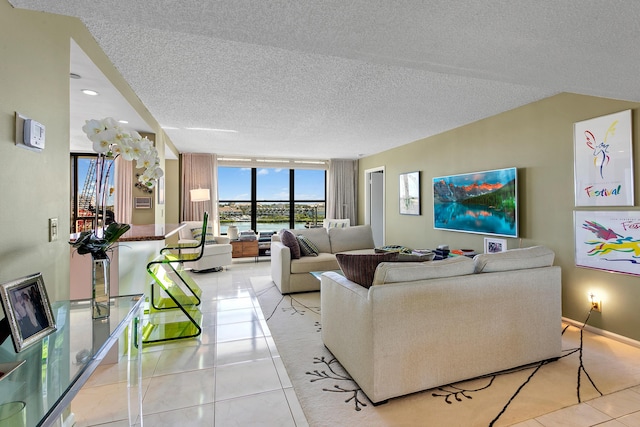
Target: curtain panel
x=342 y=185
x=124 y=191
x=199 y=170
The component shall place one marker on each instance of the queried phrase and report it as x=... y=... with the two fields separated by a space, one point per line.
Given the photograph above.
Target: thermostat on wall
x=33 y=134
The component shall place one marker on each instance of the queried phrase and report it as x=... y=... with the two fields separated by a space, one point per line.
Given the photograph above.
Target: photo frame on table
x=603 y=161
x=492 y=246
x=410 y=193
x=608 y=240
x=27 y=309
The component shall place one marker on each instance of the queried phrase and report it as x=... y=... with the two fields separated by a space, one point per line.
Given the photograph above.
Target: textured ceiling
x=339 y=79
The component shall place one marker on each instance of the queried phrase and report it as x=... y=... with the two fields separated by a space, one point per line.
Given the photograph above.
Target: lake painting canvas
x=479 y=202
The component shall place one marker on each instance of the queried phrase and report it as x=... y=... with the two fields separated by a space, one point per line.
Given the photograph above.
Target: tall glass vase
x=100 y=279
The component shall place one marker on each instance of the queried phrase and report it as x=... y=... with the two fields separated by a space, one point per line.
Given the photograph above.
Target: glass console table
x=56 y=368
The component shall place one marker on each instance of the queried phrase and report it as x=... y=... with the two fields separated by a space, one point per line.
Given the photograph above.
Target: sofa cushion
x=361 y=268
x=394 y=272
x=318 y=236
x=209 y=238
x=350 y=238
x=306 y=264
x=514 y=259
x=307 y=247
x=289 y=240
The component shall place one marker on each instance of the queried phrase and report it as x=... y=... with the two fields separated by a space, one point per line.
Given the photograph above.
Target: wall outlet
x=596 y=306
x=53 y=229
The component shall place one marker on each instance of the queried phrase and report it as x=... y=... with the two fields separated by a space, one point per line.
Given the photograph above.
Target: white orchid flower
x=101 y=146
x=110 y=139
x=92 y=127
x=146 y=160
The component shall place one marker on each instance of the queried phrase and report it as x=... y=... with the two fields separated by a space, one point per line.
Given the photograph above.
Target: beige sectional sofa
x=293 y=275
x=423 y=325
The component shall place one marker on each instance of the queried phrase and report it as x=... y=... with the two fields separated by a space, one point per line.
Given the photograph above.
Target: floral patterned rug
x=591 y=366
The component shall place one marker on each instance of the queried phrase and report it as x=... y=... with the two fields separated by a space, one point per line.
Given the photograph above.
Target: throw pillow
x=209 y=239
x=307 y=247
x=360 y=268
x=289 y=240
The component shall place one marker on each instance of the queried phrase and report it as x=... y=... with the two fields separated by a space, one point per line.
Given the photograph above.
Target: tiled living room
x=234 y=375
x=390 y=92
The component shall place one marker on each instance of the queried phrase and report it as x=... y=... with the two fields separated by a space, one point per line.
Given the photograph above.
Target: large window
x=270 y=199
x=83 y=192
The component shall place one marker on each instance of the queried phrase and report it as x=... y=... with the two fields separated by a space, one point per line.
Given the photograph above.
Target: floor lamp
x=200 y=195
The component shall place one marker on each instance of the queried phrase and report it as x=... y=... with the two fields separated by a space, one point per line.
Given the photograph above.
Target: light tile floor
x=233 y=375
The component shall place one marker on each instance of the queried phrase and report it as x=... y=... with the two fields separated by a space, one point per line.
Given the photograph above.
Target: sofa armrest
x=346 y=326
x=222 y=240
x=281 y=266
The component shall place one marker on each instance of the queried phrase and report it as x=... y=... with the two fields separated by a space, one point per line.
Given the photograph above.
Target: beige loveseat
x=423 y=325
x=293 y=275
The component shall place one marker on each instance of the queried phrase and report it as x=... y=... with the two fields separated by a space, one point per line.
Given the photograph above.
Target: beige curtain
x=342 y=190
x=124 y=191
x=199 y=171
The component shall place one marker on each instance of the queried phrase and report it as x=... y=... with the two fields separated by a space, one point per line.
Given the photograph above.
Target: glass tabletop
x=54 y=369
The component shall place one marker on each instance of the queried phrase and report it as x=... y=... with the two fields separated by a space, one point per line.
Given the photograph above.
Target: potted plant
x=111 y=141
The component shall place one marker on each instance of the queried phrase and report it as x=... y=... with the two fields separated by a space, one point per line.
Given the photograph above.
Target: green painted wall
x=538 y=140
x=34 y=81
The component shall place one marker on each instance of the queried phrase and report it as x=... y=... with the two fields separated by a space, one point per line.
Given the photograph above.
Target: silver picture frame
x=27 y=309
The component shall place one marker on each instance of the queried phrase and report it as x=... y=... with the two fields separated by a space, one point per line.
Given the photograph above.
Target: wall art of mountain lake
x=481 y=202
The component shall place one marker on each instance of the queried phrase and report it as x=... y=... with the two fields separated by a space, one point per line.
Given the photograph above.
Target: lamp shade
x=200 y=195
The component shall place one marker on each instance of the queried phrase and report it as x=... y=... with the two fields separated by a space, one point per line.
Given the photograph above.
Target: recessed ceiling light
x=74 y=76
x=214 y=130
x=123 y=122
x=89 y=92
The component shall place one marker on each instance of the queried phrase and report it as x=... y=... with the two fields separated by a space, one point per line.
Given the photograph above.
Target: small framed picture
x=142 y=202
x=492 y=245
x=410 y=193
x=27 y=308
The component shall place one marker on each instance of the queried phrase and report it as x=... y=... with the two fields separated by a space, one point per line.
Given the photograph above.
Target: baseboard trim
x=602 y=332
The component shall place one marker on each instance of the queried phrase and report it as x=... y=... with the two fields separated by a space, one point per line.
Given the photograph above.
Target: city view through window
x=83 y=193
x=270 y=199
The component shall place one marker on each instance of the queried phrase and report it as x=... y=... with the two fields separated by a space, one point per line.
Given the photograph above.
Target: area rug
x=591 y=366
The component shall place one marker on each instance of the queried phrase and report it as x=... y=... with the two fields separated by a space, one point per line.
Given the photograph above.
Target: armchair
x=214 y=256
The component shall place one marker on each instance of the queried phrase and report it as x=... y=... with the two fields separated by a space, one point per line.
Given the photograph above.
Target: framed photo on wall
x=603 y=162
x=410 y=193
x=142 y=202
x=27 y=308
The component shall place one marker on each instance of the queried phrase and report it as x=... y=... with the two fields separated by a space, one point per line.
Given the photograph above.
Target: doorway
x=375 y=203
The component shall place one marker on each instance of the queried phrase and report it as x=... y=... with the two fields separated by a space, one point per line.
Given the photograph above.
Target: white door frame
x=367 y=198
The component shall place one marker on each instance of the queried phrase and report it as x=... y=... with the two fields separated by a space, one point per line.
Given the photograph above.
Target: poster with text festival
x=603 y=161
